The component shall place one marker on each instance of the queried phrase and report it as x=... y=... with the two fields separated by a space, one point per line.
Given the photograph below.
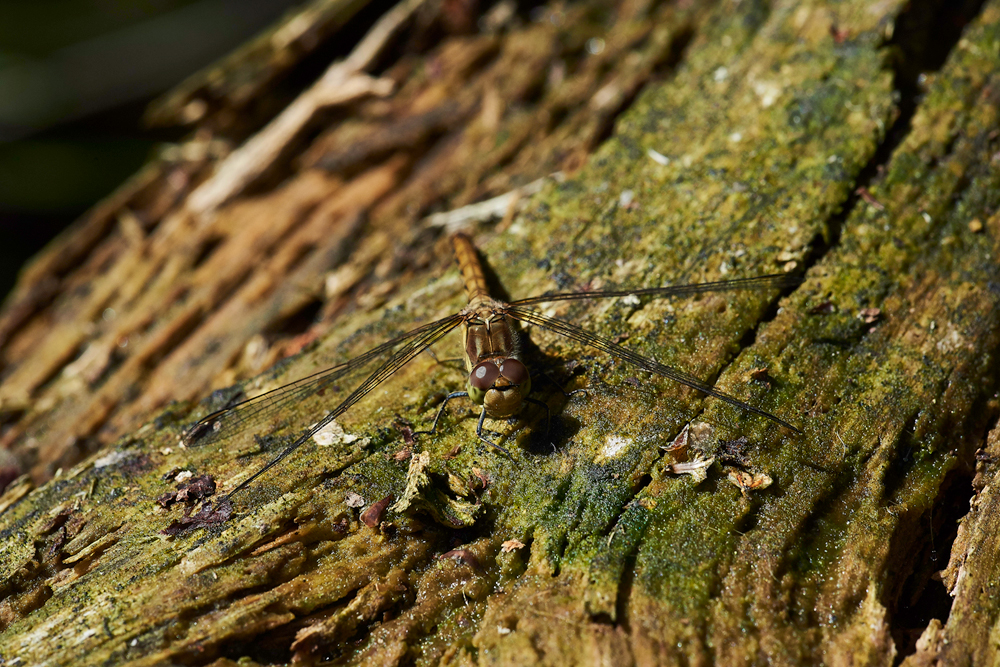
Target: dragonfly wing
x=245 y=415
x=413 y=344
x=772 y=281
x=645 y=363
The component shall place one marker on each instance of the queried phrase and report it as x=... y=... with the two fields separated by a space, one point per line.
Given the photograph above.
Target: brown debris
x=762 y=376
x=679 y=443
x=406 y=430
x=198 y=431
x=690 y=453
x=733 y=452
x=482 y=480
x=206 y=517
x=191 y=492
x=695 y=435
x=372 y=516
x=867 y=196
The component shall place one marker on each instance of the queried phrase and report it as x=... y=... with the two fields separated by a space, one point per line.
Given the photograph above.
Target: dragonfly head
x=500 y=386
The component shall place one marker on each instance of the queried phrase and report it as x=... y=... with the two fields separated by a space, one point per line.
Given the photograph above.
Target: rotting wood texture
x=695 y=141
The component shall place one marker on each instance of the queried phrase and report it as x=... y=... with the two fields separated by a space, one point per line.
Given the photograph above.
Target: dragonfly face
x=500 y=385
x=498 y=380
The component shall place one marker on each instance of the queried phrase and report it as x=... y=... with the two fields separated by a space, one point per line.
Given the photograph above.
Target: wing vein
x=419 y=340
x=771 y=281
x=645 y=363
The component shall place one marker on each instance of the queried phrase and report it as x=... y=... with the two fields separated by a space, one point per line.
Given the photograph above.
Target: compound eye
x=514 y=370
x=484 y=375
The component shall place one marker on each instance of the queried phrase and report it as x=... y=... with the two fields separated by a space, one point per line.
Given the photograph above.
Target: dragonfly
x=498 y=379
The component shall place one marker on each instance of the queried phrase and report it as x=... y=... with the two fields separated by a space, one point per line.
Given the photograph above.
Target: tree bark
x=693 y=142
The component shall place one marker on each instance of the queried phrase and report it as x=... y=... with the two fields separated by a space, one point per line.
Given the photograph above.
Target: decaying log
x=647 y=524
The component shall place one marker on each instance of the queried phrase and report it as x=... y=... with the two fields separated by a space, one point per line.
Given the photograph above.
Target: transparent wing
x=245 y=414
x=242 y=416
x=645 y=363
x=771 y=281
x=413 y=343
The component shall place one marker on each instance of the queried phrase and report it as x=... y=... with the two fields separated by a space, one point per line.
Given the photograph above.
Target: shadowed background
x=75 y=78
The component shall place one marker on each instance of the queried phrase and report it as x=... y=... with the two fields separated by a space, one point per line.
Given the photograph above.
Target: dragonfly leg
x=479 y=432
x=548 y=413
x=558 y=386
x=444 y=404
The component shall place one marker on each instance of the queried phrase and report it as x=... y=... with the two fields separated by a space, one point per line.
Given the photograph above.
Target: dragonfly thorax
x=500 y=385
x=498 y=380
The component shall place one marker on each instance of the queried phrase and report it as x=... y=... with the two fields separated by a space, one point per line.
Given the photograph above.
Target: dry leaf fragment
x=747 y=481
x=510 y=545
x=694 y=435
x=680 y=442
x=697 y=468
